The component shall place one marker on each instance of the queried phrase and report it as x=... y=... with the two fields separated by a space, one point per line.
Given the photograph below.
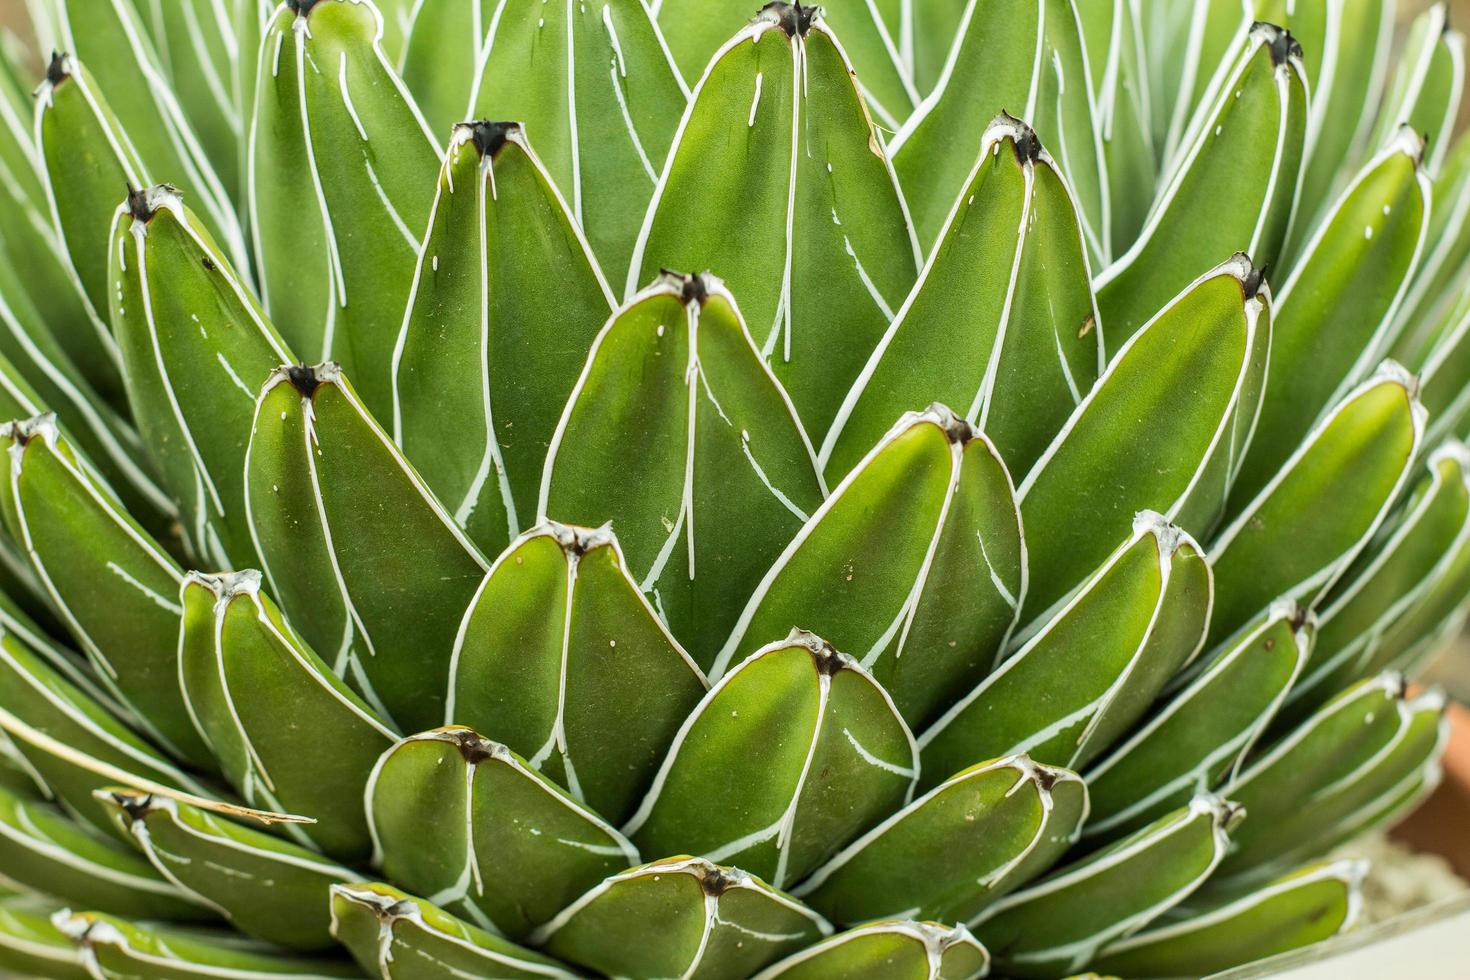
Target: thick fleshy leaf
x=31 y=946
x=697 y=28
x=195 y=350
x=1439 y=285
x=356 y=549
x=678 y=432
x=262 y=885
x=489 y=353
x=109 y=37
x=114 y=587
x=1056 y=926
x=598 y=94
x=394 y=936
x=1427 y=85
x=273 y=713
x=467 y=822
x=1139 y=618
x=341 y=174
x=895 y=948
x=680 y=918
x=1430 y=621
x=1333 y=316
x=1233 y=188
x=1188 y=48
x=777 y=132
x=441 y=57
x=1407 y=559
x=1025 y=57
x=562 y=658
x=982 y=833
x=915 y=563
x=792 y=754
x=43 y=849
x=115 y=949
x=1300 y=909
x=1321 y=508
x=1164 y=429
x=1001 y=319
x=1204 y=731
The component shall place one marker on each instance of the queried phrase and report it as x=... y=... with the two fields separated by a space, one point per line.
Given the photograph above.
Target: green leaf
x=395 y=936
x=915 y=563
x=273 y=713
x=441 y=57
x=679 y=433
x=1057 y=925
x=889 y=949
x=354 y=545
x=1025 y=57
x=598 y=94
x=488 y=353
x=1001 y=320
x=1427 y=86
x=115 y=949
x=696 y=29
x=1233 y=187
x=42 y=849
x=113 y=586
x=195 y=349
x=1204 y=731
x=341 y=179
x=820 y=252
x=1319 y=511
x=1297 y=910
x=681 y=917
x=1140 y=617
x=509 y=849
x=980 y=834
x=1189 y=51
x=1163 y=429
x=31 y=946
x=562 y=658
x=792 y=754
x=1433 y=618
x=263 y=886
x=1333 y=317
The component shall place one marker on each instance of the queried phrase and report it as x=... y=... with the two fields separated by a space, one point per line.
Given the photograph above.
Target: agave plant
x=1004 y=543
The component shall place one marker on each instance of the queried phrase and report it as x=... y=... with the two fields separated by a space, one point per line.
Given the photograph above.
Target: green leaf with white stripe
x=273 y=713
x=196 y=348
x=1140 y=616
x=1427 y=86
x=510 y=849
x=355 y=546
x=562 y=658
x=1428 y=622
x=41 y=848
x=599 y=96
x=341 y=175
x=1025 y=57
x=1202 y=733
x=114 y=588
x=1059 y=924
x=1322 y=507
x=1163 y=429
x=792 y=754
x=678 y=432
x=1233 y=188
x=915 y=563
x=681 y=917
x=31 y=946
x=488 y=353
x=395 y=936
x=1438 y=287
x=262 y=885
x=441 y=57
x=1299 y=909
x=896 y=948
x=115 y=949
x=1001 y=320
x=980 y=834
x=820 y=254
x=1334 y=316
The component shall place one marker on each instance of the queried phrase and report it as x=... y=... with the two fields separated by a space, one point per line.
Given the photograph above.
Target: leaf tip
x=792 y=18
x=488 y=136
x=59 y=69
x=1278 y=40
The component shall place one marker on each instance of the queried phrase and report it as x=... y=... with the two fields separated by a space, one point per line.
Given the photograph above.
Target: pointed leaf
x=778 y=133
x=1438 y=285
x=893 y=948
x=467 y=822
x=1427 y=85
x=441 y=57
x=678 y=432
x=791 y=755
x=488 y=353
x=31 y=946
